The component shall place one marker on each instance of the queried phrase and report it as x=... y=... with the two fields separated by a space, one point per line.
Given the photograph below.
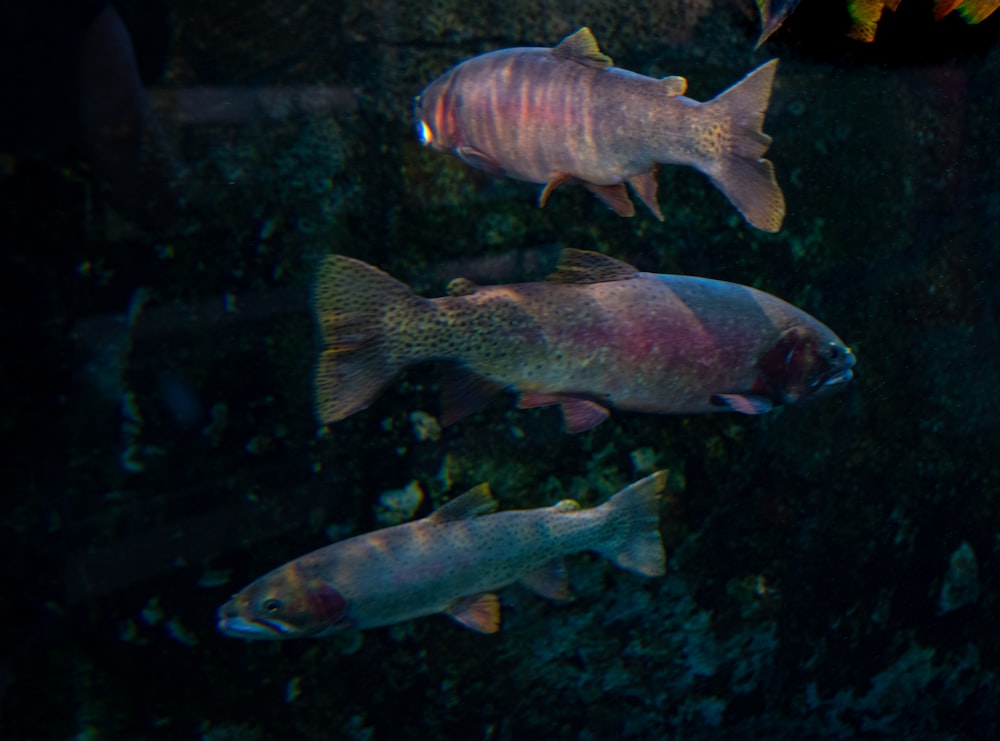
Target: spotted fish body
x=598 y=334
x=565 y=114
x=450 y=562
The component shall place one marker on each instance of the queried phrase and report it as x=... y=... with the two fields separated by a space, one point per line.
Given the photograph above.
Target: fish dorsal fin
x=462 y=287
x=475 y=502
x=582 y=47
x=582 y=266
x=674 y=85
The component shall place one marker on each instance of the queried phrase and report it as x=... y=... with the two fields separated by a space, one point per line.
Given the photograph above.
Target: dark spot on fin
x=675 y=85
x=579 y=415
x=636 y=511
x=549 y=581
x=582 y=47
x=463 y=393
x=736 y=165
x=475 y=502
x=615 y=196
x=743 y=403
x=583 y=266
x=645 y=187
x=480 y=612
x=462 y=287
x=349 y=299
x=474 y=158
x=558 y=179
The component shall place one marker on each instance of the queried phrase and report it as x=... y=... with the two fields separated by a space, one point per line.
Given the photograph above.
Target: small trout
x=451 y=562
x=597 y=334
x=565 y=114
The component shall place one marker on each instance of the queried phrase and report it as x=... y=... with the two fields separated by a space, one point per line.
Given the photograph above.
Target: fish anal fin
x=582 y=47
x=479 y=612
x=584 y=266
x=476 y=502
x=579 y=415
x=463 y=393
x=645 y=187
x=615 y=196
x=744 y=403
x=554 y=182
x=675 y=85
x=474 y=158
x=549 y=581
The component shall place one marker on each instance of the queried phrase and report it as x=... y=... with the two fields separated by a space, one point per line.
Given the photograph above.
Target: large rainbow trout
x=597 y=334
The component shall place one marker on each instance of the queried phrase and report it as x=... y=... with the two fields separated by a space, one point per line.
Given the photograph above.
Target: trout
x=597 y=334
x=451 y=562
x=566 y=114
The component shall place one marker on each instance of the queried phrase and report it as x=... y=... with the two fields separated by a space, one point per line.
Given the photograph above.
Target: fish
x=597 y=334
x=566 y=114
x=866 y=14
x=772 y=14
x=451 y=562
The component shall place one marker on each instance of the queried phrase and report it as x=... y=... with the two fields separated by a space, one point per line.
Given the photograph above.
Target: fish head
x=805 y=363
x=285 y=604
x=434 y=115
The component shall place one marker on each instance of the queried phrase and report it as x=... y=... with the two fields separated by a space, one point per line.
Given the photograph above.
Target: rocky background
x=832 y=567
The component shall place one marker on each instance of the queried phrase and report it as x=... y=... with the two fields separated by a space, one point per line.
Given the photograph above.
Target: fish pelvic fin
x=634 y=540
x=731 y=145
x=354 y=304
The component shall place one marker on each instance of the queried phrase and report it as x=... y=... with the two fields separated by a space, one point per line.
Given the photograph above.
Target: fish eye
x=833 y=352
x=424 y=133
x=272 y=606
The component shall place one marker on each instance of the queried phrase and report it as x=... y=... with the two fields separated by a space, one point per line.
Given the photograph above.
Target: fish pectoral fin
x=475 y=502
x=582 y=47
x=675 y=85
x=474 y=158
x=645 y=187
x=579 y=415
x=615 y=196
x=479 y=612
x=743 y=403
x=583 y=266
x=549 y=581
x=554 y=182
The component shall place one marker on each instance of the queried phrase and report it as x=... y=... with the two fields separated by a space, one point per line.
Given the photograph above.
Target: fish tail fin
x=351 y=300
x=736 y=165
x=634 y=527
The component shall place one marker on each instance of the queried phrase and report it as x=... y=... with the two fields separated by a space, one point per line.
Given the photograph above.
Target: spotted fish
x=597 y=334
x=566 y=114
x=451 y=562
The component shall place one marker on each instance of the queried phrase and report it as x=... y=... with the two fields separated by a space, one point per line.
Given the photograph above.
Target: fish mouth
x=230 y=623
x=265 y=630
x=843 y=373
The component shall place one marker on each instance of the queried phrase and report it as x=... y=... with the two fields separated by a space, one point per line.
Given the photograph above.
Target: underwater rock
x=961 y=581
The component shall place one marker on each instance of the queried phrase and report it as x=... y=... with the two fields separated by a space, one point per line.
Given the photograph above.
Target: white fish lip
x=842 y=377
x=269 y=630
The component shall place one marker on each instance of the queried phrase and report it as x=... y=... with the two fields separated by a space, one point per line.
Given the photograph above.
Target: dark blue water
x=171 y=174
